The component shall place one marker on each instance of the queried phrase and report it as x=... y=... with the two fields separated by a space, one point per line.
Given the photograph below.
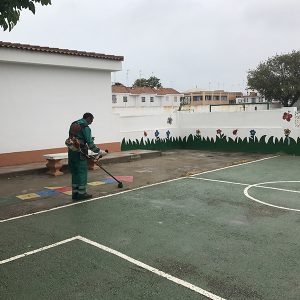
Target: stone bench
x=55 y=163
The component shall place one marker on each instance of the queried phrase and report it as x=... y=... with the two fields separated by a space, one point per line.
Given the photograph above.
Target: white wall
x=268 y=122
x=133 y=127
x=38 y=103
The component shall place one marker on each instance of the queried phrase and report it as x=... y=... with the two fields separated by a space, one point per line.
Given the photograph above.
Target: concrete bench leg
x=91 y=164
x=54 y=166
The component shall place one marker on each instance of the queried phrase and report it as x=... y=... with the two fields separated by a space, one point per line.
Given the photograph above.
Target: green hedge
x=222 y=143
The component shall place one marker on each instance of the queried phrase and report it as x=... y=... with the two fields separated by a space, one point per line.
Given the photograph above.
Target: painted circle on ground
x=265 y=203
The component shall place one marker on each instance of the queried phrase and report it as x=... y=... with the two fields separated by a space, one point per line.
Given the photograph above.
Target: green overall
x=77 y=162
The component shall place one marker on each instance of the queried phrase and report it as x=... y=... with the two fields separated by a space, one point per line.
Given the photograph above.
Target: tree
x=10 y=11
x=154 y=82
x=278 y=78
x=150 y=82
x=140 y=82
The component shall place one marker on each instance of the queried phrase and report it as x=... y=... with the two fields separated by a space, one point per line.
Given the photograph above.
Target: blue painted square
x=108 y=180
x=46 y=193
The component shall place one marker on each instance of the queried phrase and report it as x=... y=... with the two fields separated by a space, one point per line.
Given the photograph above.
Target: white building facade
x=140 y=100
x=252 y=98
x=43 y=90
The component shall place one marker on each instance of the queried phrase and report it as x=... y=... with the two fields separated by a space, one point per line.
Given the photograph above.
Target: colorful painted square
x=46 y=193
x=95 y=183
x=108 y=180
x=28 y=196
x=64 y=189
x=53 y=187
x=123 y=178
x=69 y=193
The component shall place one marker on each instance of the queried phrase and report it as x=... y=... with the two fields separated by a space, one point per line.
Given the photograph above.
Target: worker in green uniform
x=80 y=132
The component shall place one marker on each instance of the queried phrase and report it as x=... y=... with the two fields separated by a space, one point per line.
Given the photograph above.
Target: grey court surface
x=229 y=233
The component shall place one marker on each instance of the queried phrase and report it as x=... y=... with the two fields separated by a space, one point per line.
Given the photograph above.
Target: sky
x=187 y=44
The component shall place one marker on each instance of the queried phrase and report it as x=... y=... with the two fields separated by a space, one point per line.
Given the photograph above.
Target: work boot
x=84 y=196
x=75 y=196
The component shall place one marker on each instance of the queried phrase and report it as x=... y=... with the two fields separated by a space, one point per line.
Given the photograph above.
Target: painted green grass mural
x=221 y=142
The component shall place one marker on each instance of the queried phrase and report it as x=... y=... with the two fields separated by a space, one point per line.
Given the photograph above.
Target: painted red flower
x=145 y=133
x=234 y=132
x=219 y=131
x=287 y=116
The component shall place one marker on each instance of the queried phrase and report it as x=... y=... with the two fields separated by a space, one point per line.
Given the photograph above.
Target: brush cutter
x=96 y=161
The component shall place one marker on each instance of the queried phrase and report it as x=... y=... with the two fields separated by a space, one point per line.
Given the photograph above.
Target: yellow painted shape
x=53 y=187
x=28 y=196
x=96 y=183
x=68 y=193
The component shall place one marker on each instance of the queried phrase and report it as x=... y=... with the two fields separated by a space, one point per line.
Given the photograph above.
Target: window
x=175 y=98
x=124 y=98
x=224 y=98
x=114 y=98
x=143 y=99
x=207 y=97
x=216 y=97
x=151 y=99
x=197 y=98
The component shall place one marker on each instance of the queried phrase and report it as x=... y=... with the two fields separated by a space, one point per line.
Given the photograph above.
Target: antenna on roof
x=127 y=72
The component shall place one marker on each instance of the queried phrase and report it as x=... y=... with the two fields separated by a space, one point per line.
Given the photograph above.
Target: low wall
x=261 y=127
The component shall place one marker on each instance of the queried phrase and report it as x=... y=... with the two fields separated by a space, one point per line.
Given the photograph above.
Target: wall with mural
x=268 y=131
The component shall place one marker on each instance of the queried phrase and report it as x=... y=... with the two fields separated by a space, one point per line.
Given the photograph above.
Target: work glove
x=101 y=153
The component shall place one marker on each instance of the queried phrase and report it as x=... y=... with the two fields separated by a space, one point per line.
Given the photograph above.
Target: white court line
x=249 y=184
x=266 y=203
x=37 y=250
x=125 y=257
x=233 y=166
x=257 y=185
x=216 y=180
x=132 y=190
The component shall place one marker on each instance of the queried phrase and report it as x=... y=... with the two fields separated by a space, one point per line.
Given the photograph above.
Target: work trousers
x=78 y=168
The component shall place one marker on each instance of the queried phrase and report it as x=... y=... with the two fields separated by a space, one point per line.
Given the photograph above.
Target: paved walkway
x=139 y=169
x=116 y=157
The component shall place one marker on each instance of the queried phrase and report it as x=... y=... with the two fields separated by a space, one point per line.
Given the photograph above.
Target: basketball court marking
x=123 y=256
x=132 y=190
x=258 y=185
x=265 y=203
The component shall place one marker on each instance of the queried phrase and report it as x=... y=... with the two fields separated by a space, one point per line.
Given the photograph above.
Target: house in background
x=43 y=90
x=196 y=97
x=140 y=100
x=252 y=98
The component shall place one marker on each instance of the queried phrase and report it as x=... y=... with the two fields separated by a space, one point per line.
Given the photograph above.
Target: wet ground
x=145 y=171
x=229 y=233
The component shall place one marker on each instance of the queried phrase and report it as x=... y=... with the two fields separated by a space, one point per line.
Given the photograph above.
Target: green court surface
x=231 y=233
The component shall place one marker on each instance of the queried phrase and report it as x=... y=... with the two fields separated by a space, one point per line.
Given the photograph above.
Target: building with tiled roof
x=145 y=98
x=44 y=89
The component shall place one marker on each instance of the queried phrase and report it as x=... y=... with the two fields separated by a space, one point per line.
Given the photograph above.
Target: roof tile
x=59 y=51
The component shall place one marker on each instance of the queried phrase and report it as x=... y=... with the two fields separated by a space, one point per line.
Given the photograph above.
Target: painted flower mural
x=252 y=133
x=235 y=131
x=219 y=131
x=287 y=116
x=170 y=120
x=156 y=133
x=145 y=133
x=168 y=134
x=287 y=132
x=198 y=132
